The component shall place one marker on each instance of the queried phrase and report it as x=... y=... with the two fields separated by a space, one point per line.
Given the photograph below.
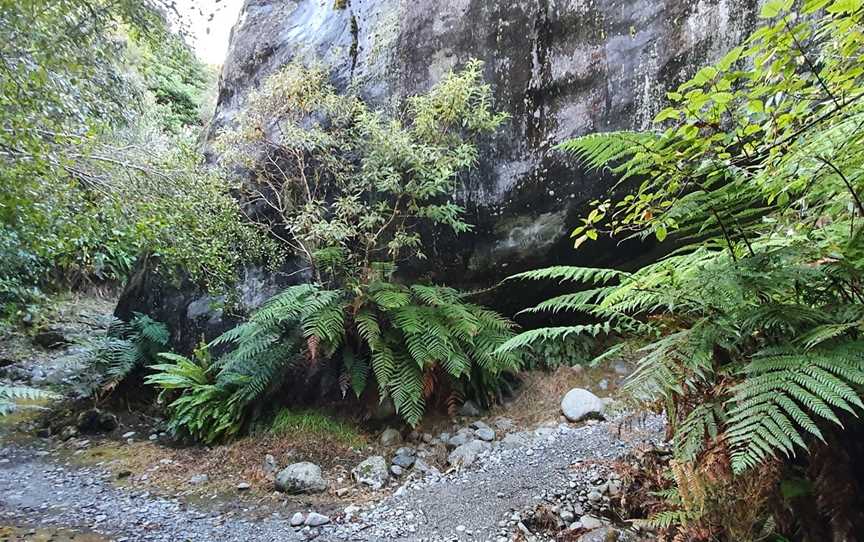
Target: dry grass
x=539 y=399
x=168 y=470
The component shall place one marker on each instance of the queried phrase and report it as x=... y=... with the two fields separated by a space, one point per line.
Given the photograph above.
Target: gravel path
x=38 y=489
x=39 y=492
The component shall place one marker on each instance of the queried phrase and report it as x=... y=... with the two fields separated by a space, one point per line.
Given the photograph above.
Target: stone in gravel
x=297 y=519
x=485 y=433
x=199 y=479
x=302 y=477
x=580 y=404
x=129 y=434
x=314 y=519
x=467 y=453
x=478 y=424
x=404 y=460
x=407 y=450
x=372 y=472
x=244 y=486
x=96 y=421
x=544 y=432
x=269 y=465
x=567 y=516
x=590 y=522
x=595 y=496
x=425 y=468
x=513 y=441
x=469 y=409
x=622 y=368
x=503 y=424
x=68 y=432
x=50 y=338
x=390 y=437
x=396 y=470
x=605 y=534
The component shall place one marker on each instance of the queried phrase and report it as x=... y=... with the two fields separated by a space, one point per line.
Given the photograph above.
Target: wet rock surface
x=559 y=69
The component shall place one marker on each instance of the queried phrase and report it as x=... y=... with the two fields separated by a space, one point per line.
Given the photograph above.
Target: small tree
x=346 y=187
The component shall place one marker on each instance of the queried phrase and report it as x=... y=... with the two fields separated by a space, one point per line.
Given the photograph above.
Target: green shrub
x=754 y=324
x=201 y=409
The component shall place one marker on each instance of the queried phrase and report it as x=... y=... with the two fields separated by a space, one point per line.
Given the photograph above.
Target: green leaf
x=772 y=8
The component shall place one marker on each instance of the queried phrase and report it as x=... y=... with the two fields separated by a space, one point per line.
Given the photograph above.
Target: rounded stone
x=580 y=404
x=302 y=477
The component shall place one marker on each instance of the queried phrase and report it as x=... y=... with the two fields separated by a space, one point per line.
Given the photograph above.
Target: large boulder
x=560 y=69
x=301 y=478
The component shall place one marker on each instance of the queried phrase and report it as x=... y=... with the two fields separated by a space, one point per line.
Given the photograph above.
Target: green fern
x=602 y=149
x=126 y=347
x=785 y=394
x=391 y=333
x=12 y=396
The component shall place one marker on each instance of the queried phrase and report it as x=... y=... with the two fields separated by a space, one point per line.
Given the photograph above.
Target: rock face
x=580 y=404
x=560 y=69
x=301 y=478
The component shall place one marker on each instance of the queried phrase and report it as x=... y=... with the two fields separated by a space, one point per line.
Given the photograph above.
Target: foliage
x=406 y=338
x=19 y=272
x=347 y=187
x=176 y=78
x=755 y=320
x=98 y=157
x=204 y=410
x=10 y=396
x=126 y=347
x=569 y=351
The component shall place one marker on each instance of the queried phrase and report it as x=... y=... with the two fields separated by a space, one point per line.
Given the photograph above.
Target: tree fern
x=389 y=333
x=126 y=347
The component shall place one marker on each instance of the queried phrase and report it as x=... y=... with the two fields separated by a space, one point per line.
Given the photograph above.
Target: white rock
x=579 y=404
x=485 y=433
x=514 y=440
x=297 y=519
x=314 y=519
x=590 y=522
x=302 y=477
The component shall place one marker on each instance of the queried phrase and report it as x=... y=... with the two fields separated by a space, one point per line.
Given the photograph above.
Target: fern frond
x=528 y=338
x=587 y=275
x=602 y=149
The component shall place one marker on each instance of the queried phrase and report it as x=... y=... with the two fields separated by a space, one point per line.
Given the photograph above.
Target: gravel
x=462 y=504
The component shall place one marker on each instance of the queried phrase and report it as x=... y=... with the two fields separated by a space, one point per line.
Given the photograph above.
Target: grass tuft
x=315 y=424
